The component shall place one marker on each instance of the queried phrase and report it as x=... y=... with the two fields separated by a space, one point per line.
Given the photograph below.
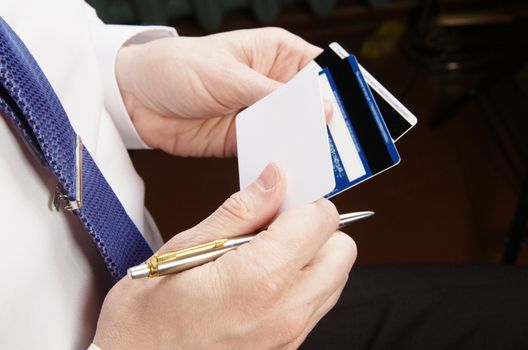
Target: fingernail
x=268 y=178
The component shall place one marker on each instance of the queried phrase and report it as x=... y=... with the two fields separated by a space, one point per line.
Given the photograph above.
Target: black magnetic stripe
x=327 y=58
x=357 y=108
x=396 y=124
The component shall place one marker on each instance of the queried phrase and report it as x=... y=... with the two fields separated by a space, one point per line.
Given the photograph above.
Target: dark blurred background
x=460 y=192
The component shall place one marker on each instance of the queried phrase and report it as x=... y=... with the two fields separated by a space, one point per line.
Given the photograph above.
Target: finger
x=325 y=277
x=328 y=305
x=294 y=237
x=318 y=287
x=272 y=51
x=244 y=212
x=317 y=316
x=293 y=53
x=327 y=271
x=251 y=86
x=294 y=44
x=328 y=110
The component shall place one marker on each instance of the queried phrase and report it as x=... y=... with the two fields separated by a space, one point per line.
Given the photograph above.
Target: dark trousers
x=428 y=307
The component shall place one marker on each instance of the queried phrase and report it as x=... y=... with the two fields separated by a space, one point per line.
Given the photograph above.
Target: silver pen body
x=202 y=257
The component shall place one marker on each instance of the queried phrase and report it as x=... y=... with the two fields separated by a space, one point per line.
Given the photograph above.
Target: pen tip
x=348 y=218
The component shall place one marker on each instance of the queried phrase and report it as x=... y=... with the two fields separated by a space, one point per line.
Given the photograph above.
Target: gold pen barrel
x=182 y=253
x=191 y=261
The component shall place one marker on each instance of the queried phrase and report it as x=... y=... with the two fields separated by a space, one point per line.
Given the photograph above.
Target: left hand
x=183 y=93
x=266 y=294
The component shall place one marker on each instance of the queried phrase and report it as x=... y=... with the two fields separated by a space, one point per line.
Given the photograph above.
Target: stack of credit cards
x=366 y=122
x=288 y=127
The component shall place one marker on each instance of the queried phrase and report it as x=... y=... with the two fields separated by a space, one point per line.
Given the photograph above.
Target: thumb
x=251 y=86
x=244 y=212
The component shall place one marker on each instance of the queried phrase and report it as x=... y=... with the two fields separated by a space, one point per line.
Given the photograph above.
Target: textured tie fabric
x=28 y=100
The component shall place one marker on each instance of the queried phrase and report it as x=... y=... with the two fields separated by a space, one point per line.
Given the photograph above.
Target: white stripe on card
x=387 y=96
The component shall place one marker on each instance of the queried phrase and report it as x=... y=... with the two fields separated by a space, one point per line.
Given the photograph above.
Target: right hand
x=267 y=294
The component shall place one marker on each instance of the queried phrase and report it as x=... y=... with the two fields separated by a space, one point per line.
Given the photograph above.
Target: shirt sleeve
x=93 y=347
x=108 y=39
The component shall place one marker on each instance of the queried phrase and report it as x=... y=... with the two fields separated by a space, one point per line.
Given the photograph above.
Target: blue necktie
x=28 y=100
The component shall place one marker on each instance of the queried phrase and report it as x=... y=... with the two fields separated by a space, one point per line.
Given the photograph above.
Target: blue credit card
x=360 y=142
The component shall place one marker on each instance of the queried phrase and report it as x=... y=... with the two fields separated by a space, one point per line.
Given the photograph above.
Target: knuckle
x=346 y=249
x=348 y=244
x=180 y=240
x=292 y=327
x=272 y=287
x=329 y=211
x=269 y=282
x=229 y=69
x=238 y=207
x=353 y=247
x=278 y=31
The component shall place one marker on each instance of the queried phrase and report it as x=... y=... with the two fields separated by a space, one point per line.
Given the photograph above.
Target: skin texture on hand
x=183 y=93
x=267 y=294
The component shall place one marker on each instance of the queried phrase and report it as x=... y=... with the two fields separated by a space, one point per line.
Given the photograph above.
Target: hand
x=183 y=93
x=267 y=294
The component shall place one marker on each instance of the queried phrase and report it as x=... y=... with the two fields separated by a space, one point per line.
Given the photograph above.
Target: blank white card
x=288 y=127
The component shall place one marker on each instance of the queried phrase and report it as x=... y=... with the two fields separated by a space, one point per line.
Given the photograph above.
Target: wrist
x=119 y=325
x=123 y=73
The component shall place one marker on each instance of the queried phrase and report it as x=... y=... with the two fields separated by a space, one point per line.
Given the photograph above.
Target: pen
x=185 y=259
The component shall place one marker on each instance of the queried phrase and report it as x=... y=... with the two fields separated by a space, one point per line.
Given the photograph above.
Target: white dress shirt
x=54 y=280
